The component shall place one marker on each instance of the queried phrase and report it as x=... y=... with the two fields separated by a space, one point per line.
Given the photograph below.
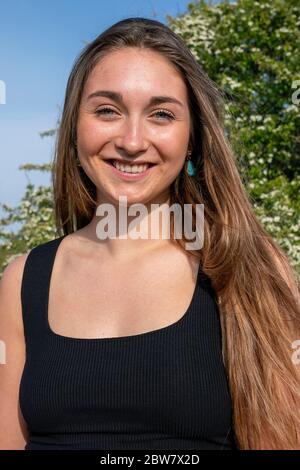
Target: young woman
x=124 y=343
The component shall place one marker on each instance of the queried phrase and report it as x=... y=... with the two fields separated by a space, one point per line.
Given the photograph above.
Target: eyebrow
x=119 y=98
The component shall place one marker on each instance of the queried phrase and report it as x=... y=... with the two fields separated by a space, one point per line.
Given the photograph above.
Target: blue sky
x=39 y=41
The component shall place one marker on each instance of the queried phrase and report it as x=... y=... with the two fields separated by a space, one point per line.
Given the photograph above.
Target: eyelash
x=169 y=115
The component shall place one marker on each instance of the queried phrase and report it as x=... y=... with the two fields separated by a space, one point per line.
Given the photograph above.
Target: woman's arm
x=13 y=432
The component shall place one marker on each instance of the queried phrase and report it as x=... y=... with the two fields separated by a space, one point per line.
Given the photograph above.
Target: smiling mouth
x=130 y=168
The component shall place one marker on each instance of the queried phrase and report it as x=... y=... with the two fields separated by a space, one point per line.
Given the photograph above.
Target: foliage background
x=251 y=51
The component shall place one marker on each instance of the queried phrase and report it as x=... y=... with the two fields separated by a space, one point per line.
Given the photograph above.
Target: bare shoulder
x=14 y=269
x=10 y=283
x=13 y=273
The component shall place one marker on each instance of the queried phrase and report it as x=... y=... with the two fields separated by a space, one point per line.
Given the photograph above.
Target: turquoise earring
x=190 y=166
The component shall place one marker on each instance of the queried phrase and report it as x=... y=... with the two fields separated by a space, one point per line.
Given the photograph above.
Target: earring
x=190 y=166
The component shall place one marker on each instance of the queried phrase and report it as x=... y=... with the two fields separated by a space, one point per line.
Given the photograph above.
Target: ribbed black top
x=163 y=389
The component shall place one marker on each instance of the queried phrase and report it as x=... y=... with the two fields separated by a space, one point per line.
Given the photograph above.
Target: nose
x=131 y=138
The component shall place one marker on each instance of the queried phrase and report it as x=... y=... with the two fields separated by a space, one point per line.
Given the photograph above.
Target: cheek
x=90 y=135
x=174 y=149
x=172 y=141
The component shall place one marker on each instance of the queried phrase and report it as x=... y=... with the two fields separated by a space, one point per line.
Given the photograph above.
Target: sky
x=39 y=41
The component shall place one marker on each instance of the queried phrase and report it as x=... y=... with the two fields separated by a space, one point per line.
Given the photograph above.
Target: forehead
x=133 y=70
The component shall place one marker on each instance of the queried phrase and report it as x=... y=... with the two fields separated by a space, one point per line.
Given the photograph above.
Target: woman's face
x=127 y=127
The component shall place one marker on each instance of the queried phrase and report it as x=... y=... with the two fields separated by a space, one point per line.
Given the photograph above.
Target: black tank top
x=163 y=389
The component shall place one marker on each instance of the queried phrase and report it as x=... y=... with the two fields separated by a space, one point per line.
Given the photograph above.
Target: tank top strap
x=35 y=288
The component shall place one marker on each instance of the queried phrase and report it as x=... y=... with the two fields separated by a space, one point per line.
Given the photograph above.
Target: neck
x=125 y=236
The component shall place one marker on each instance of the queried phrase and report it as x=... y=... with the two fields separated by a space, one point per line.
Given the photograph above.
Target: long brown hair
x=256 y=288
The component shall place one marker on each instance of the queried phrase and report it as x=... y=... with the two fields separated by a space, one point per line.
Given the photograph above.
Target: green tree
x=251 y=51
x=28 y=224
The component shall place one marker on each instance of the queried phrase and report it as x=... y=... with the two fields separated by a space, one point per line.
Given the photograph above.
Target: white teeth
x=130 y=168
